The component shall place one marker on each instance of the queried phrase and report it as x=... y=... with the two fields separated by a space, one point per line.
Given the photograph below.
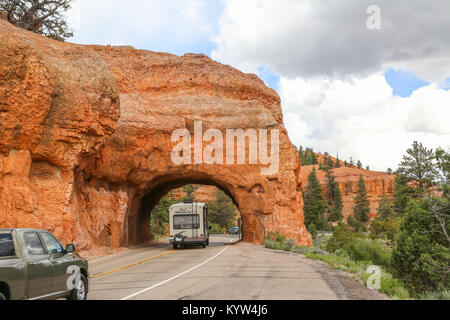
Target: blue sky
x=403 y=82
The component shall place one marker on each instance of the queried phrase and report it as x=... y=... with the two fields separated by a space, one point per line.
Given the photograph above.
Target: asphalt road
x=220 y=272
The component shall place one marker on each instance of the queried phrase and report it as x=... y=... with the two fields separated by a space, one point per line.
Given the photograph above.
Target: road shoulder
x=344 y=284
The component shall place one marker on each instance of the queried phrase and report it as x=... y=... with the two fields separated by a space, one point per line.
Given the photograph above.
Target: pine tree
x=402 y=193
x=356 y=225
x=389 y=171
x=313 y=157
x=312 y=229
x=336 y=210
x=352 y=163
x=331 y=185
x=330 y=163
x=314 y=203
x=307 y=156
x=359 y=164
x=362 y=204
x=417 y=166
x=337 y=164
x=385 y=207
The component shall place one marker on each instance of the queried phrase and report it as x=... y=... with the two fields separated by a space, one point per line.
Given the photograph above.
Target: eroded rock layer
x=85 y=139
x=377 y=183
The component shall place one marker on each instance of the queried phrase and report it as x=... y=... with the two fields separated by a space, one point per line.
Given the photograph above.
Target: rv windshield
x=186 y=222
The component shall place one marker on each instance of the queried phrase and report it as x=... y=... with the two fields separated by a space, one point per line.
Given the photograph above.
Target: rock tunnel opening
x=141 y=227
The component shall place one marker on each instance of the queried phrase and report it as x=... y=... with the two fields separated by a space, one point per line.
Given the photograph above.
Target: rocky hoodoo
x=377 y=183
x=85 y=139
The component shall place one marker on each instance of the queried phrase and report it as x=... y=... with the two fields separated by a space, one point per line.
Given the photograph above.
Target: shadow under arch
x=139 y=218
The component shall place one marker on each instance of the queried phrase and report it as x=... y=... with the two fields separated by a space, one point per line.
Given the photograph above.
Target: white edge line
x=174 y=277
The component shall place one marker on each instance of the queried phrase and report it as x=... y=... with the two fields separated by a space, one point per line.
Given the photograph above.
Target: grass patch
x=389 y=285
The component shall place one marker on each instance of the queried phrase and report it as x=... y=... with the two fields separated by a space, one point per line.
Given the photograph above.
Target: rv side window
x=186 y=222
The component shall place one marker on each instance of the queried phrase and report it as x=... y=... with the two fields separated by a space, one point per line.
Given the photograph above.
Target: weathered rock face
x=202 y=194
x=58 y=104
x=85 y=139
x=377 y=183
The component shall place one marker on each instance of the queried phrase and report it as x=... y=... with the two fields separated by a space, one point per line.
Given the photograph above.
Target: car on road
x=35 y=266
x=234 y=230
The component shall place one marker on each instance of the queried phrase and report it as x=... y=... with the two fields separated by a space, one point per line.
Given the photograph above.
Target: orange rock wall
x=347 y=179
x=85 y=139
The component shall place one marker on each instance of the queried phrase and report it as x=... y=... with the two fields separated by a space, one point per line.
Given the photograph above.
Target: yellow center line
x=131 y=265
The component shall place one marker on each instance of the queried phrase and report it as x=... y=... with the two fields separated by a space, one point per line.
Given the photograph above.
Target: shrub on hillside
x=422 y=254
x=385 y=229
x=342 y=235
x=288 y=244
x=368 y=250
x=356 y=225
x=312 y=229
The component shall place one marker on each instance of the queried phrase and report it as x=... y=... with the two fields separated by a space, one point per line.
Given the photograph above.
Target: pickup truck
x=35 y=266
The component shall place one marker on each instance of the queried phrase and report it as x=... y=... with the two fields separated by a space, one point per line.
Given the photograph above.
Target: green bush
x=342 y=235
x=385 y=229
x=393 y=287
x=279 y=237
x=439 y=295
x=301 y=250
x=275 y=236
x=422 y=254
x=215 y=228
x=312 y=229
x=270 y=244
x=341 y=253
x=275 y=240
x=356 y=225
x=288 y=244
x=368 y=250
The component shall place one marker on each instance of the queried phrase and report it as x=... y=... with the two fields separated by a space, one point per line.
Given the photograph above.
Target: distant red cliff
x=377 y=183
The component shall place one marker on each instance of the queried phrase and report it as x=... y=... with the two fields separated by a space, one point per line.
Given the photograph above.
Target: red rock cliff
x=347 y=179
x=85 y=139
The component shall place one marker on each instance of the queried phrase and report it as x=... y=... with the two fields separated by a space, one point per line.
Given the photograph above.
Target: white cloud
x=308 y=38
x=331 y=66
x=361 y=118
x=333 y=93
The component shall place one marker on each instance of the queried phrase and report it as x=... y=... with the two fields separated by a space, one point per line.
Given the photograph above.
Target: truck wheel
x=175 y=246
x=207 y=242
x=79 y=293
x=204 y=244
x=2 y=296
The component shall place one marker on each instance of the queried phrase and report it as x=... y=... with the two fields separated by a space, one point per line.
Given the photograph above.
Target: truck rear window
x=6 y=245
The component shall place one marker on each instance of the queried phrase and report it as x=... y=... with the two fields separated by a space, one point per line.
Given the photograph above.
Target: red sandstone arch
x=86 y=134
x=139 y=224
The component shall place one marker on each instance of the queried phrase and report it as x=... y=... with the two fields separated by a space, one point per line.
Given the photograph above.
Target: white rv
x=188 y=224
